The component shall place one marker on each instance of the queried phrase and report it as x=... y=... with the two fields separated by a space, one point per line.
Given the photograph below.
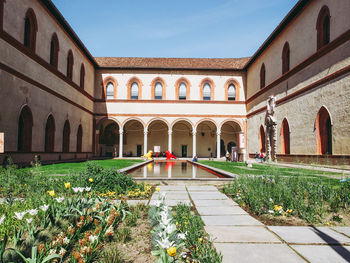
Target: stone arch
x=139 y=84
x=177 y=86
x=233 y=120
x=133 y=140
x=206 y=138
x=50 y=129
x=107 y=141
x=237 y=87
x=157 y=119
x=230 y=130
x=181 y=119
x=212 y=87
x=107 y=118
x=324 y=131
x=206 y=119
x=262 y=140
x=285 y=137
x=25 y=127
x=134 y=119
x=153 y=86
x=106 y=81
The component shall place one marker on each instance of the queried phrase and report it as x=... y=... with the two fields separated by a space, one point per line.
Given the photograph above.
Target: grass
x=266 y=169
x=70 y=168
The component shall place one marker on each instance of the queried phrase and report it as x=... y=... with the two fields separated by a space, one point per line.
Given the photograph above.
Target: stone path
x=242 y=238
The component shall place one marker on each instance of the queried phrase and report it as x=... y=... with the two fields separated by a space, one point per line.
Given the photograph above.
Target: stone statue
x=271 y=129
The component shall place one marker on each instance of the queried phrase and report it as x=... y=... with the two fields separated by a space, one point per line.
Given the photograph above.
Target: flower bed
x=306 y=201
x=179 y=236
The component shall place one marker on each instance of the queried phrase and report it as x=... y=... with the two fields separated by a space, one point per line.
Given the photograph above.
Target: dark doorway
x=184 y=151
x=139 y=150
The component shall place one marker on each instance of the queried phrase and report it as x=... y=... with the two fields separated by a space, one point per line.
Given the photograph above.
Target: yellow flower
x=157 y=189
x=171 y=251
x=52 y=193
x=91 y=180
x=290 y=210
x=67 y=185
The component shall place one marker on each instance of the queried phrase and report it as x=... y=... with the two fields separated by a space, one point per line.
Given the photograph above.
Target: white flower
x=59 y=199
x=29 y=220
x=2 y=219
x=170 y=228
x=75 y=189
x=157 y=203
x=162 y=195
x=20 y=216
x=87 y=189
x=271 y=200
x=271 y=211
x=33 y=212
x=66 y=240
x=165 y=220
x=181 y=236
x=44 y=207
x=52 y=251
x=92 y=239
x=165 y=243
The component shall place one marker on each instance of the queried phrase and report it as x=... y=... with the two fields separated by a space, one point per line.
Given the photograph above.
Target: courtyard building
x=61 y=103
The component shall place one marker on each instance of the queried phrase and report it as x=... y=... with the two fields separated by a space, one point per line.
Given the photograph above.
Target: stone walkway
x=242 y=238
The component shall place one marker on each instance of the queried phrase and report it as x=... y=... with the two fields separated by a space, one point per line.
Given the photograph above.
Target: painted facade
x=59 y=102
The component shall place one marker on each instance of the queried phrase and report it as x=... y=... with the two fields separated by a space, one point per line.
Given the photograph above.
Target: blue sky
x=178 y=28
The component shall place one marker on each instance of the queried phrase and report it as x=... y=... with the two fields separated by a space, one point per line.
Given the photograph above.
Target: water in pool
x=171 y=170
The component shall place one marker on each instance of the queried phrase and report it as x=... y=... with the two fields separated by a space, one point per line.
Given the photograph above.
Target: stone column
x=194 y=143
x=121 y=133
x=145 y=133
x=218 y=144
x=170 y=136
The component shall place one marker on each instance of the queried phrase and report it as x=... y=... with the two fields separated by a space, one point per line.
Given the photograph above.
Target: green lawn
x=264 y=169
x=70 y=168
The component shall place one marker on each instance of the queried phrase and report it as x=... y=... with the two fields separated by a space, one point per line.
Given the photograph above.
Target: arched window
x=134 y=91
x=231 y=92
x=158 y=91
x=2 y=13
x=323 y=27
x=54 y=48
x=110 y=91
x=262 y=139
x=50 y=134
x=70 y=62
x=285 y=142
x=66 y=137
x=82 y=76
x=182 y=91
x=262 y=76
x=285 y=58
x=79 y=139
x=324 y=132
x=30 y=30
x=25 y=126
x=206 y=91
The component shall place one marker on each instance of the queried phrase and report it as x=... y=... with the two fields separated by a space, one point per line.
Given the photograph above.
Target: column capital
x=121 y=131
x=218 y=133
x=170 y=132
x=145 y=132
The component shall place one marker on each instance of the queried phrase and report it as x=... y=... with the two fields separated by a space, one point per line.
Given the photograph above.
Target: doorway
x=184 y=151
x=139 y=150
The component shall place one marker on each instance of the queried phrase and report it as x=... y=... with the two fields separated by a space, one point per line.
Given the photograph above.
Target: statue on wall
x=271 y=129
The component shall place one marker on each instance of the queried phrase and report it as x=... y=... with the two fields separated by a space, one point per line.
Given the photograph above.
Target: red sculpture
x=169 y=155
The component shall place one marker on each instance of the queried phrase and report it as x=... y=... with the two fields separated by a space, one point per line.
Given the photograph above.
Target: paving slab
x=172 y=195
x=220 y=210
x=309 y=235
x=208 y=196
x=322 y=254
x=198 y=188
x=343 y=229
x=232 y=220
x=172 y=188
x=261 y=253
x=244 y=234
x=136 y=202
x=209 y=203
x=173 y=202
